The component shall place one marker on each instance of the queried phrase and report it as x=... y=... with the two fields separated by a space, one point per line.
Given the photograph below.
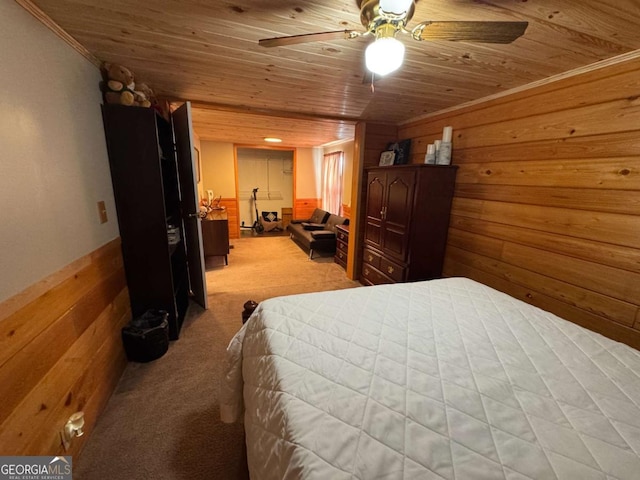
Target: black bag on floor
x=249 y=307
x=146 y=338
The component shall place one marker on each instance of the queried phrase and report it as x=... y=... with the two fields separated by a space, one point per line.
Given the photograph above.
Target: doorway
x=271 y=172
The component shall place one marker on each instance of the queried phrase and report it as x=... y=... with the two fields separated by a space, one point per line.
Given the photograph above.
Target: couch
x=317 y=233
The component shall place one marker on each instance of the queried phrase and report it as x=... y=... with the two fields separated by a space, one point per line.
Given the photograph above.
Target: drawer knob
x=390 y=269
x=366 y=271
x=341 y=255
x=371 y=258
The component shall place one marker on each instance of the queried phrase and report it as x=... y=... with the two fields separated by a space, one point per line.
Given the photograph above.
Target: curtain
x=332 y=182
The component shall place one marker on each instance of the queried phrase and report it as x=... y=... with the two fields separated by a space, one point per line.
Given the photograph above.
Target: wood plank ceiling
x=207 y=51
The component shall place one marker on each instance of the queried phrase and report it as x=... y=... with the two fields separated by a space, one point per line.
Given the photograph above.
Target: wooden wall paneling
x=604 y=253
x=608 y=201
x=304 y=207
x=594 y=85
x=611 y=282
x=19 y=328
x=377 y=137
x=596 y=226
x=483 y=245
x=611 y=117
x=586 y=319
x=21 y=373
x=91 y=390
x=51 y=341
x=581 y=299
x=618 y=82
x=547 y=196
x=575 y=148
x=356 y=227
x=9 y=306
x=101 y=297
x=65 y=390
x=618 y=173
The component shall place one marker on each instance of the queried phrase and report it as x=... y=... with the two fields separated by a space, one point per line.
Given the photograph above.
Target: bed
x=440 y=379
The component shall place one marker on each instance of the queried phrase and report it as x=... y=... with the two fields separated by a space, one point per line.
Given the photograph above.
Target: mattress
x=440 y=379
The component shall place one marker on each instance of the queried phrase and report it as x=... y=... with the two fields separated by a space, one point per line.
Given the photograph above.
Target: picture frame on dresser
x=402 y=151
x=387 y=158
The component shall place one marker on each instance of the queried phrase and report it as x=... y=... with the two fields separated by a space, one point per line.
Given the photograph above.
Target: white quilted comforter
x=441 y=379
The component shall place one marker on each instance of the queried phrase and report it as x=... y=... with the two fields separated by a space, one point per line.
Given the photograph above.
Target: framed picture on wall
x=387 y=158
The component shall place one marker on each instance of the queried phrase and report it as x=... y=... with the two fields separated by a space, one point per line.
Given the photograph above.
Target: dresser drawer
x=392 y=270
x=372 y=258
x=341 y=235
x=342 y=246
x=374 y=276
x=341 y=257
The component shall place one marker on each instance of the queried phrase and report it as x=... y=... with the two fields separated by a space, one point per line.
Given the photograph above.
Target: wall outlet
x=102 y=211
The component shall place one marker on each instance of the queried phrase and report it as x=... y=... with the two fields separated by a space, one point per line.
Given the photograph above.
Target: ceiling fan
x=384 y=19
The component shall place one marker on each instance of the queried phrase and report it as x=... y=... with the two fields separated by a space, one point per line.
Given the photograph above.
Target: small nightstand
x=287 y=215
x=342 y=245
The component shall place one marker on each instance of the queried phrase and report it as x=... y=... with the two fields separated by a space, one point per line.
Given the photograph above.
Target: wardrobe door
x=397 y=213
x=189 y=202
x=375 y=208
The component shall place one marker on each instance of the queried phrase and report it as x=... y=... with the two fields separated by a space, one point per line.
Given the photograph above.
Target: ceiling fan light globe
x=384 y=56
x=395 y=6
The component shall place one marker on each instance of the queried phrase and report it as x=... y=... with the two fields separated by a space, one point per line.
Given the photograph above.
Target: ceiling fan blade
x=308 y=37
x=461 y=31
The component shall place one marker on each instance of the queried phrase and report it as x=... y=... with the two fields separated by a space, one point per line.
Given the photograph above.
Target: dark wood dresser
x=215 y=235
x=342 y=245
x=407 y=221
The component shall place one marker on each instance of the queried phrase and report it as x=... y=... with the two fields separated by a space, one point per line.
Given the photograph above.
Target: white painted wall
x=218 y=168
x=308 y=168
x=271 y=171
x=53 y=159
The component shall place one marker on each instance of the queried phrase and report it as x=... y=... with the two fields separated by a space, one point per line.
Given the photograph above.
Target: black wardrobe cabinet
x=155 y=195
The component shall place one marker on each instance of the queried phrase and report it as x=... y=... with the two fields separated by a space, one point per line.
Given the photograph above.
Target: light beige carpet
x=162 y=422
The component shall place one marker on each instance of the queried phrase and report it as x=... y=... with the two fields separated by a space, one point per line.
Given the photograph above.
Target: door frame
x=236 y=146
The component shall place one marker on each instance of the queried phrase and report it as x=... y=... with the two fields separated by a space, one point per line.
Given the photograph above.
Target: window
x=332 y=182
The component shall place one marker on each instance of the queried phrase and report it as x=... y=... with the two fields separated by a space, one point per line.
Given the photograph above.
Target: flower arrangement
x=210 y=205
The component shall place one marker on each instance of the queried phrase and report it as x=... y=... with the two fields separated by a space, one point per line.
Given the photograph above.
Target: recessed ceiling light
x=272 y=139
